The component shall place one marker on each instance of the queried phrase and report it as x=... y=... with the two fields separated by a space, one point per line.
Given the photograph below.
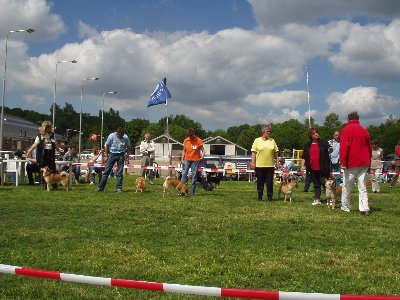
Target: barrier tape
x=186 y=289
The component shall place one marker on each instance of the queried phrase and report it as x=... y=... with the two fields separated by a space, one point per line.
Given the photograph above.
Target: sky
x=227 y=62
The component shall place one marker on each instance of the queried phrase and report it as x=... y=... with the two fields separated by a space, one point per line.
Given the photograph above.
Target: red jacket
x=355 y=146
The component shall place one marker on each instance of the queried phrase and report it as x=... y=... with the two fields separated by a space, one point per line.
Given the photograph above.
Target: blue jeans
x=192 y=165
x=337 y=168
x=118 y=158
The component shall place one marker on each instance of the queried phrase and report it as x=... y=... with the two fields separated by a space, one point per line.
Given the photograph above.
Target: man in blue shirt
x=117 y=149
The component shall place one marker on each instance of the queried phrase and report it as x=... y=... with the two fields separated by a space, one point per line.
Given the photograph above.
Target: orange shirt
x=192 y=148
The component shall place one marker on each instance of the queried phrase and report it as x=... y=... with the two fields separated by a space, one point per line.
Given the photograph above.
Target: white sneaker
x=91 y=183
x=345 y=209
x=316 y=202
x=151 y=182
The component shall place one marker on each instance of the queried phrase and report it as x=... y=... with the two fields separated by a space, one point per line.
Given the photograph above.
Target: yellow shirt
x=265 y=152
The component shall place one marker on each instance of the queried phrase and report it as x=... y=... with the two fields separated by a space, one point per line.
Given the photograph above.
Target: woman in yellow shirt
x=264 y=155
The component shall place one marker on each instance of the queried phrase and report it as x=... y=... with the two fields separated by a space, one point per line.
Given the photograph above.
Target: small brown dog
x=52 y=178
x=287 y=189
x=332 y=192
x=180 y=187
x=140 y=184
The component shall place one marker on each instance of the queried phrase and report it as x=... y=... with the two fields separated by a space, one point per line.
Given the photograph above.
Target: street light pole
x=29 y=30
x=80 y=115
x=55 y=88
x=102 y=118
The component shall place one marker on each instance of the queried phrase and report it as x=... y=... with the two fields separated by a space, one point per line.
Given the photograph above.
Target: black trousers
x=265 y=176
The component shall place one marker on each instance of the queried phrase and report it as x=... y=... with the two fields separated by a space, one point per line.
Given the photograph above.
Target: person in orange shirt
x=193 y=153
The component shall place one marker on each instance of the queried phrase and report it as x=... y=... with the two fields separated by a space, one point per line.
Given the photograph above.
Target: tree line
x=290 y=134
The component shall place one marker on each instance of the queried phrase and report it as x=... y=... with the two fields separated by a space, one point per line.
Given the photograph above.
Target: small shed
x=221 y=146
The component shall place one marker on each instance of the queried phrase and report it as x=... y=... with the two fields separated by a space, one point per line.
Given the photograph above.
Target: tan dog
x=140 y=184
x=287 y=189
x=180 y=187
x=332 y=192
x=52 y=178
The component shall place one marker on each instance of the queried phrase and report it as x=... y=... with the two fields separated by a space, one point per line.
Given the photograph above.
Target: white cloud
x=277 y=99
x=23 y=14
x=371 y=50
x=365 y=100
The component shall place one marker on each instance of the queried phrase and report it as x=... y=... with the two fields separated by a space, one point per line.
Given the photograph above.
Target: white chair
x=12 y=170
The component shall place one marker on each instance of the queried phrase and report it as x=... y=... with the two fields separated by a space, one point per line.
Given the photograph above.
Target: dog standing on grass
x=180 y=187
x=140 y=184
x=332 y=192
x=52 y=178
x=287 y=189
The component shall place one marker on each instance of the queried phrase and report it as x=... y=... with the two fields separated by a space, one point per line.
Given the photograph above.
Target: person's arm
x=28 y=154
x=202 y=152
x=253 y=160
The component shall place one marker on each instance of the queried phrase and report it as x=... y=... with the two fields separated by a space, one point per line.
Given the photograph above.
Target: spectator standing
x=46 y=146
x=393 y=181
x=264 y=157
x=316 y=162
x=193 y=153
x=116 y=150
x=376 y=166
x=334 y=156
x=148 y=151
x=355 y=159
x=96 y=159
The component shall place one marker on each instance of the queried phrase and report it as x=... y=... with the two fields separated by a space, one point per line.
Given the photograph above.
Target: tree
x=331 y=124
x=247 y=136
x=134 y=129
x=290 y=134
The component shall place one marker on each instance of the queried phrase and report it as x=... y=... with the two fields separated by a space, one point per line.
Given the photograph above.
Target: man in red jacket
x=355 y=158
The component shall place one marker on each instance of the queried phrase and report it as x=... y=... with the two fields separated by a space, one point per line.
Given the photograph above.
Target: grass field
x=223 y=238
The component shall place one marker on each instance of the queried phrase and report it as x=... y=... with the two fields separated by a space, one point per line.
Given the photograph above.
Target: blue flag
x=160 y=94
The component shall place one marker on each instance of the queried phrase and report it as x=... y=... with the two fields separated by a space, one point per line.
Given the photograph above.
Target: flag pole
x=166 y=114
x=308 y=100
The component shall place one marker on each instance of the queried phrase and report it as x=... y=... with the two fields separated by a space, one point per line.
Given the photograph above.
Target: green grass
x=223 y=238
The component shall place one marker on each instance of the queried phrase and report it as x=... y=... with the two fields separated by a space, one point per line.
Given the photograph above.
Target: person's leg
x=151 y=172
x=29 y=172
x=307 y=183
x=107 y=170
x=119 y=171
x=336 y=169
x=92 y=174
x=144 y=162
x=395 y=177
x=348 y=181
x=362 y=189
x=185 y=171
x=375 y=180
x=194 y=168
x=261 y=180
x=269 y=180
x=316 y=179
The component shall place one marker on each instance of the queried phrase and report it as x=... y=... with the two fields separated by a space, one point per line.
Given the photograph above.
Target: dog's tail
x=167 y=178
x=64 y=174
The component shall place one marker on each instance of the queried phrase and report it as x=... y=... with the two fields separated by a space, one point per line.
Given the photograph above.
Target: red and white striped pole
x=186 y=289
